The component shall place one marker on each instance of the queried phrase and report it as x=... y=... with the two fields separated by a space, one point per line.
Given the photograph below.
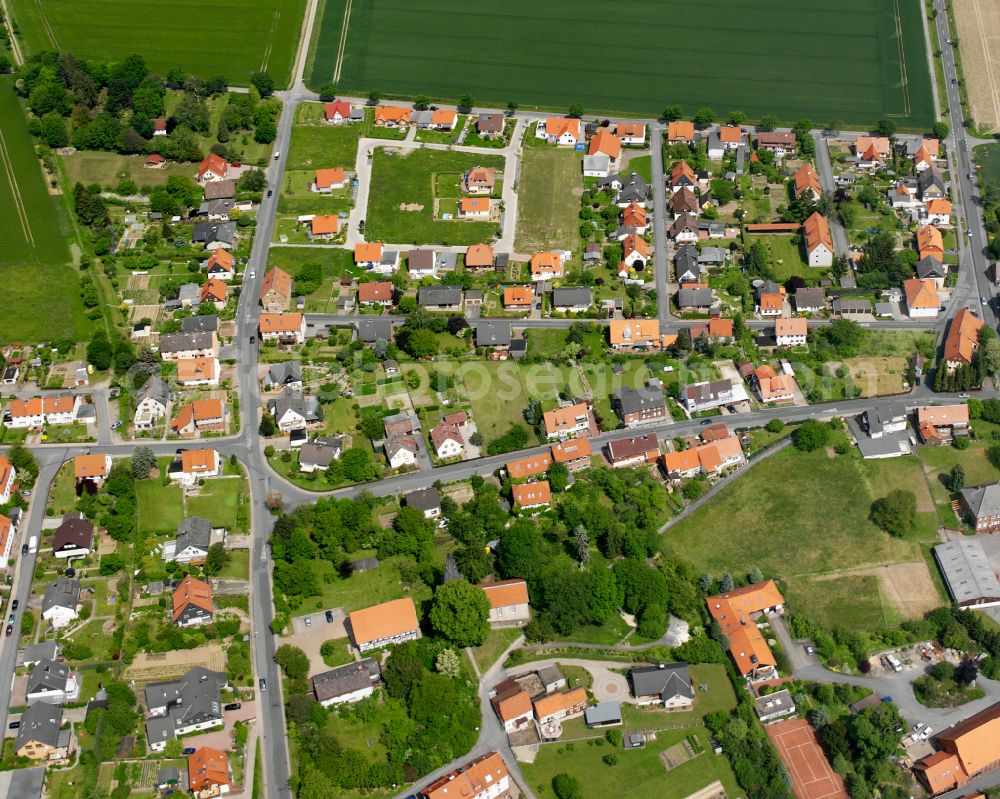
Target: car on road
x=253 y=274
x=116 y=425
x=984 y=301
x=329 y=617
x=253 y=339
x=233 y=706
x=10 y=630
x=263 y=684
x=955 y=81
x=14 y=725
x=963 y=396
x=948 y=41
x=270 y=192
x=277 y=155
x=14 y=604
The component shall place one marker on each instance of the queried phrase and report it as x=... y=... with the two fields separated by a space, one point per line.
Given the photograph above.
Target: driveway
x=310 y=639
x=608 y=685
x=223 y=739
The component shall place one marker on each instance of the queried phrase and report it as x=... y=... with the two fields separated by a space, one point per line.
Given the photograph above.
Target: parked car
x=13 y=725
x=308 y=621
x=809 y=649
x=233 y=706
x=926 y=733
x=10 y=619
x=14 y=604
x=188 y=750
x=329 y=617
x=24 y=549
x=116 y=425
x=918 y=726
x=10 y=630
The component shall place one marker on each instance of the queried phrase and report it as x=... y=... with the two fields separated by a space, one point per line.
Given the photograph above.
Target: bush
x=775 y=426
x=811 y=435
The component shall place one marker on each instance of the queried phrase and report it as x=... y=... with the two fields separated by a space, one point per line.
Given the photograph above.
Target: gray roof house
x=348 y=683
x=186 y=342
x=441 y=297
x=189 y=294
x=695 y=299
x=288 y=373
x=214 y=234
x=687 y=268
x=153 y=389
x=200 y=323
x=634 y=190
x=667 y=683
x=371 y=330
x=930 y=184
x=52 y=682
x=62 y=597
x=638 y=405
x=194 y=537
x=809 y=299
x=712 y=256
x=22 y=783
x=40 y=723
x=182 y=706
x=493 y=333
x=292 y=410
x=427 y=500
x=930 y=268
x=774 y=706
x=319 y=454
x=35 y=653
x=579 y=297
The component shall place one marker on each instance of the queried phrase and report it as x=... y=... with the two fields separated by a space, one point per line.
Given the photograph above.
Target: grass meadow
x=854 y=60
x=43 y=295
x=805 y=518
x=549 y=202
x=234 y=39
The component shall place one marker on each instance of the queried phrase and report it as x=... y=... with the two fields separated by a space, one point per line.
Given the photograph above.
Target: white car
x=277 y=155
x=253 y=274
x=917 y=727
x=926 y=733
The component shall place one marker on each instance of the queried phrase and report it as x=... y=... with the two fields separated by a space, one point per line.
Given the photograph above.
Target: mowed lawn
x=316 y=145
x=160 y=507
x=86 y=167
x=548 y=199
x=218 y=501
x=233 y=39
x=801 y=516
x=853 y=60
x=498 y=397
x=409 y=179
x=43 y=294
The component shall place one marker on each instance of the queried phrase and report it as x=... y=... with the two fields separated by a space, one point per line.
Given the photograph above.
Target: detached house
x=546 y=266
x=401 y=450
x=337 y=112
x=635 y=334
x=195 y=465
x=485 y=777
x=284 y=328
x=276 y=291
x=939 y=424
x=508 y=603
x=708 y=395
x=930 y=242
x=781 y=144
x=529 y=466
x=640 y=406
x=377 y=293
x=349 y=683
x=61 y=603
x=198 y=371
x=180 y=707
x=962 y=341
x=529 y=496
x=52 y=683
x=324 y=227
x=199 y=416
x=479 y=180
x=568 y=422
x=74 y=538
x=381 y=625
x=559 y=130
x=818 y=240
x=447 y=440
x=680 y=131
x=573 y=453
x=213 y=168
x=667 y=685
x=328 y=180
x=937 y=212
x=807 y=183
x=391 y=116
x=512 y=705
x=40 y=736
x=92 y=469
x=559 y=706
x=634 y=451
x=735 y=612
x=292 y=410
x=192 y=603
x=209 y=774
x=922 y=301
x=197 y=344
x=791 y=332
x=151 y=403
x=220 y=265
x=517 y=298
x=194 y=537
x=374 y=257
x=981 y=505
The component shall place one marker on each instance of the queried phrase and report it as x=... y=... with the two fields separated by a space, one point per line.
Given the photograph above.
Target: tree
x=811 y=435
x=672 y=113
x=895 y=512
x=576 y=110
x=460 y=612
x=217 y=559
x=768 y=122
x=581 y=540
x=886 y=127
x=989 y=350
x=466 y=101
x=293 y=661
x=99 y=352
x=359 y=465
x=756 y=576
x=704 y=117
x=956 y=479
x=566 y=787
x=448 y=664
x=52 y=130
x=737 y=118
x=143 y=462
x=558 y=477
x=263 y=83
x=266 y=428
x=727 y=583
x=374 y=96
x=775 y=426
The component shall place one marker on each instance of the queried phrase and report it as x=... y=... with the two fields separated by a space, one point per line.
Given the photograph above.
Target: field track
x=857 y=61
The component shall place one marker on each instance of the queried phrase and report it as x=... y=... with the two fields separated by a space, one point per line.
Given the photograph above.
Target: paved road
x=840 y=242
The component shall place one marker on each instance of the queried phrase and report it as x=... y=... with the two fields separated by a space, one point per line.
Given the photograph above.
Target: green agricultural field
x=234 y=39
x=855 y=60
x=549 y=202
x=43 y=295
x=409 y=179
x=812 y=510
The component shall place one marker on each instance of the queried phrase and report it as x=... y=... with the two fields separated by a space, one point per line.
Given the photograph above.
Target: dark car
x=189 y=750
x=270 y=192
x=13 y=725
x=14 y=604
x=10 y=629
x=24 y=549
x=233 y=706
x=253 y=339
x=329 y=616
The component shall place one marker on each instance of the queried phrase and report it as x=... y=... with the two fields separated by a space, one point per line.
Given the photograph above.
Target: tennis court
x=812 y=777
